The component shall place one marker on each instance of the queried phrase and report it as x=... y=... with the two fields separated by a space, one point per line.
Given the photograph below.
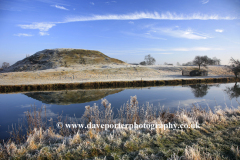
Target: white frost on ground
x=103 y=73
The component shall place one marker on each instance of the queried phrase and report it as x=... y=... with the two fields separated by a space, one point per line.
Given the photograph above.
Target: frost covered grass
x=110 y=75
x=217 y=138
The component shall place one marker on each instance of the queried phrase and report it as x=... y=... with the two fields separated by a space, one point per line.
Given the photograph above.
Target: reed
x=218 y=137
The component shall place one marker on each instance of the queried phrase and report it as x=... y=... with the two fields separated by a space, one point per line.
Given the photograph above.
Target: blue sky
x=170 y=30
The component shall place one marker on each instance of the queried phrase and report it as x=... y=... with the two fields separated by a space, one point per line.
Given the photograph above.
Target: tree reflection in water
x=201 y=90
x=233 y=92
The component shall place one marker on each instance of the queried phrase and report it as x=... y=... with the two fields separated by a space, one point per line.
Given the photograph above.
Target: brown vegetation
x=217 y=138
x=109 y=84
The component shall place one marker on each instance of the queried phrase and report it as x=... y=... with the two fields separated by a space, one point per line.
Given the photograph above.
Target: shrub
x=5 y=65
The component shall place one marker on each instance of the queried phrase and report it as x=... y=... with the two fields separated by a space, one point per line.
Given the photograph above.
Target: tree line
x=203 y=61
x=199 y=61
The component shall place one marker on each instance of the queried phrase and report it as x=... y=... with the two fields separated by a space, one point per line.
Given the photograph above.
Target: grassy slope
x=79 y=56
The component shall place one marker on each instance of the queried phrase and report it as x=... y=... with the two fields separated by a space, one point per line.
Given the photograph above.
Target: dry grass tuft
x=76 y=139
x=192 y=153
x=11 y=148
x=159 y=128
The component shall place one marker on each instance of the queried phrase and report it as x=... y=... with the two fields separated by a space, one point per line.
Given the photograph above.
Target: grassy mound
x=80 y=56
x=52 y=58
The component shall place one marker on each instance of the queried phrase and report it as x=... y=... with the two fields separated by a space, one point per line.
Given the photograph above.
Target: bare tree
x=201 y=61
x=149 y=60
x=5 y=65
x=235 y=66
x=213 y=61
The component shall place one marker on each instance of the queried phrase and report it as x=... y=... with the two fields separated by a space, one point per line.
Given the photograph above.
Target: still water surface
x=73 y=102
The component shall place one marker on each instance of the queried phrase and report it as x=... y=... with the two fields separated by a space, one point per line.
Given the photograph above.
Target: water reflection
x=234 y=91
x=68 y=97
x=201 y=90
x=13 y=106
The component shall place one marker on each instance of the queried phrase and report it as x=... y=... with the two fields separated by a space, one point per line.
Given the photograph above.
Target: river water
x=72 y=102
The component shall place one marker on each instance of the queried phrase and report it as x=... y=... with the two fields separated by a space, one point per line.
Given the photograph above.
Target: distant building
x=133 y=63
x=194 y=73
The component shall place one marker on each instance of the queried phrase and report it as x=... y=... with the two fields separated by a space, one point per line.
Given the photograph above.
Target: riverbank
x=107 y=76
x=111 y=84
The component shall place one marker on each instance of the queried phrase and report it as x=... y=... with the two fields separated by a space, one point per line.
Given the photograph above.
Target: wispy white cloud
x=111 y=2
x=148 y=15
x=176 y=32
x=43 y=27
x=23 y=35
x=154 y=33
x=59 y=7
x=43 y=33
x=219 y=30
x=205 y=1
x=91 y=3
x=131 y=22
